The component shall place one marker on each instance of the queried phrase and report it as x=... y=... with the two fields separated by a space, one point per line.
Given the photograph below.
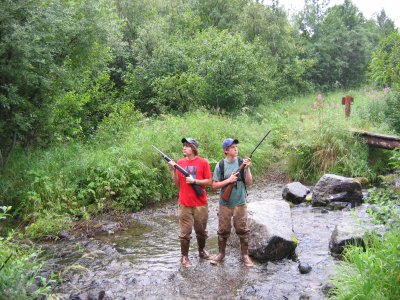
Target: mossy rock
x=363 y=181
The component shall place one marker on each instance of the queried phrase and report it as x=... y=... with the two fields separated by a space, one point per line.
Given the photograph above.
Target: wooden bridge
x=379 y=140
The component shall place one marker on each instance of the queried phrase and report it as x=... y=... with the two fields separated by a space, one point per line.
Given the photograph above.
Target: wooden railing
x=379 y=140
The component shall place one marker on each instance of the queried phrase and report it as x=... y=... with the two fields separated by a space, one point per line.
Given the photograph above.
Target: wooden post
x=346 y=101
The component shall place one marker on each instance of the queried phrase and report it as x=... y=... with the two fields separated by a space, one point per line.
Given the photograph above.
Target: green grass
x=317 y=138
x=118 y=169
x=20 y=268
x=373 y=273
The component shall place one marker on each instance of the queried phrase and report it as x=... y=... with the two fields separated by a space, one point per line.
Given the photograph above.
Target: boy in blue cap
x=224 y=174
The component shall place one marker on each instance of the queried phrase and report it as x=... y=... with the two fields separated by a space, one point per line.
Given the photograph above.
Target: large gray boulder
x=333 y=188
x=271 y=236
x=295 y=192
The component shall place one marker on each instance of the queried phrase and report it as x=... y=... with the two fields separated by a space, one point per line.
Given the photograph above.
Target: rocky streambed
x=142 y=261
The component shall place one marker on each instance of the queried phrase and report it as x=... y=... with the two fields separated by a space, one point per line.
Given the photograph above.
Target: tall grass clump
x=372 y=110
x=372 y=273
x=322 y=142
x=19 y=268
x=392 y=110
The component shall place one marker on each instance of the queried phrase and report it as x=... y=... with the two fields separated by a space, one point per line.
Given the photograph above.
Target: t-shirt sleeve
x=207 y=169
x=217 y=173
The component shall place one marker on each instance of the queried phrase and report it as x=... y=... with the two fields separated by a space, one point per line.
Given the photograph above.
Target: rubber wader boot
x=216 y=259
x=185 y=253
x=244 y=244
x=201 y=241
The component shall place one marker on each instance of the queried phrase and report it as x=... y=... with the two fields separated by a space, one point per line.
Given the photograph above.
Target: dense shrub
x=326 y=145
x=19 y=268
x=392 y=110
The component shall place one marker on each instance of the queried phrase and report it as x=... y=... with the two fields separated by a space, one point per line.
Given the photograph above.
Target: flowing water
x=142 y=262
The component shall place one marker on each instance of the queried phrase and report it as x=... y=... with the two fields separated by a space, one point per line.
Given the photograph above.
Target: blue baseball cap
x=228 y=142
x=191 y=141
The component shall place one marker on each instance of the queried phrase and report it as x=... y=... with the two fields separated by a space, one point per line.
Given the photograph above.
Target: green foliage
x=385 y=63
x=384 y=70
x=48 y=224
x=4 y=212
x=331 y=152
x=214 y=69
x=370 y=274
x=395 y=160
x=386 y=25
x=392 y=110
x=324 y=144
x=269 y=29
x=388 y=199
x=380 y=109
x=373 y=109
x=219 y=14
x=348 y=39
x=79 y=113
x=49 y=49
x=339 y=40
x=20 y=268
x=387 y=196
x=125 y=185
x=235 y=72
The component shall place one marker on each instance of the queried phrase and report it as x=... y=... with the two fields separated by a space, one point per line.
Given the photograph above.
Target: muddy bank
x=143 y=260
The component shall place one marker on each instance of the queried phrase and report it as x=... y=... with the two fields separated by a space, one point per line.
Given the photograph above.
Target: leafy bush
x=395 y=160
x=19 y=268
x=78 y=113
x=384 y=66
x=392 y=110
x=387 y=200
x=126 y=185
x=60 y=51
x=47 y=225
x=213 y=68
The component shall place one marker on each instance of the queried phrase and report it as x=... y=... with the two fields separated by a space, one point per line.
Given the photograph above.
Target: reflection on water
x=143 y=261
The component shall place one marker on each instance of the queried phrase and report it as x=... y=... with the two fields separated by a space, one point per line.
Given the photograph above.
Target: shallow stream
x=143 y=262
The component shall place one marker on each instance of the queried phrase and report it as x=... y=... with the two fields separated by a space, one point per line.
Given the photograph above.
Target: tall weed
x=392 y=110
x=20 y=268
x=324 y=143
x=372 y=273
